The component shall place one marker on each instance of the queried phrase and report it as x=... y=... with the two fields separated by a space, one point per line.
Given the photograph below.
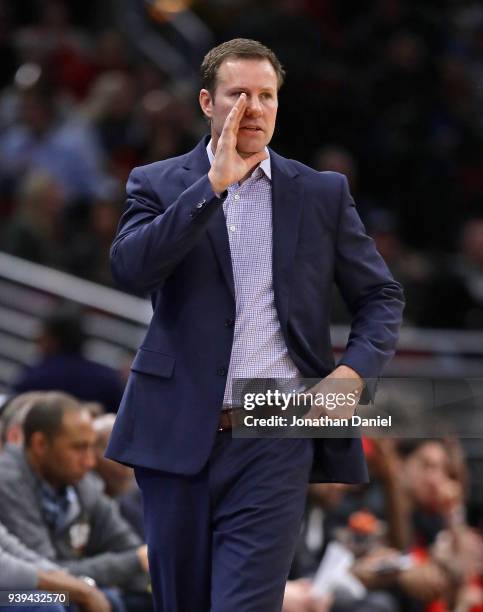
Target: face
x=258 y=80
x=116 y=476
x=68 y=457
x=426 y=472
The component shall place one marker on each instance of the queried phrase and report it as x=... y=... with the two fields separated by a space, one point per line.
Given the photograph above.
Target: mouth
x=252 y=129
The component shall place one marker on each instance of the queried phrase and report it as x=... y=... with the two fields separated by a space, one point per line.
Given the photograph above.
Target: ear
x=38 y=442
x=15 y=435
x=206 y=103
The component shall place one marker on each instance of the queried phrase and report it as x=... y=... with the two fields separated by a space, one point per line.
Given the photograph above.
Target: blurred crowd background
x=388 y=92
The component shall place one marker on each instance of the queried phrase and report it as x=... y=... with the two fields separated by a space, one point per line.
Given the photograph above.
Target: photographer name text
x=321 y=421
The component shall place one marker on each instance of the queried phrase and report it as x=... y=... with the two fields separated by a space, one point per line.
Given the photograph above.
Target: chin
x=249 y=148
x=251 y=140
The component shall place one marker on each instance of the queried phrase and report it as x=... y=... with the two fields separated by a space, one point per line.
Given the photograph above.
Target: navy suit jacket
x=172 y=242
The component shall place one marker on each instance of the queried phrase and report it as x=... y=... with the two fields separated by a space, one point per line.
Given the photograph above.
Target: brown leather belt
x=230 y=417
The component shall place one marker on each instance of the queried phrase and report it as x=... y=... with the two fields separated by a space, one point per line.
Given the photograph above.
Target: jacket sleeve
x=111 y=569
x=18 y=564
x=11 y=545
x=152 y=238
x=374 y=299
x=16 y=574
x=111 y=553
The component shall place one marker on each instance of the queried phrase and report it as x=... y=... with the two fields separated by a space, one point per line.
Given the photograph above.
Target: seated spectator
x=411 y=268
x=424 y=482
x=118 y=479
x=419 y=553
x=456 y=282
x=425 y=503
x=13 y=416
x=90 y=238
x=35 y=230
x=41 y=140
x=22 y=569
x=63 y=367
x=51 y=503
x=431 y=480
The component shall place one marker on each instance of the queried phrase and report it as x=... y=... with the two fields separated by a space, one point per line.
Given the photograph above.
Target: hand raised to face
x=228 y=165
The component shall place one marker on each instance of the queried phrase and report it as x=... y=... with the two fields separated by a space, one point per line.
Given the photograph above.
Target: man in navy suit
x=238 y=248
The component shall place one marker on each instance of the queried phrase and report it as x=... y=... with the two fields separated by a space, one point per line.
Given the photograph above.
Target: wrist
x=216 y=185
x=43 y=580
x=82 y=592
x=88 y=580
x=344 y=371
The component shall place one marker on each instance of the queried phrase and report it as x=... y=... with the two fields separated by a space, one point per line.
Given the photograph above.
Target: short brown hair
x=237 y=47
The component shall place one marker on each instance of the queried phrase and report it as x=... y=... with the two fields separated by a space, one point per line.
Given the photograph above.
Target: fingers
x=232 y=121
x=238 y=109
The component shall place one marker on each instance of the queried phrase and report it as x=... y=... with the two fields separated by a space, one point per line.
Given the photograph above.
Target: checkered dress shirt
x=259 y=349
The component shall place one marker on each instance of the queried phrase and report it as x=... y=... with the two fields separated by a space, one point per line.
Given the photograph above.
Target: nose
x=253 y=106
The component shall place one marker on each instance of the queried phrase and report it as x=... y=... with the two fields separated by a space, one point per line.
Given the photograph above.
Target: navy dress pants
x=223 y=539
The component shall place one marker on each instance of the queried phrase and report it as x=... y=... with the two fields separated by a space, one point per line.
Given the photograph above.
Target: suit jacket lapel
x=196 y=165
x=287 y=198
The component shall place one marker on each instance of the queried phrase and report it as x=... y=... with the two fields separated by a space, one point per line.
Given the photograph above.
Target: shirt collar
x=265 y=165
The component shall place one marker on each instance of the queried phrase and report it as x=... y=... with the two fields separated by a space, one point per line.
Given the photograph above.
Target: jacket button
x=229 y=322
x=222 y=371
